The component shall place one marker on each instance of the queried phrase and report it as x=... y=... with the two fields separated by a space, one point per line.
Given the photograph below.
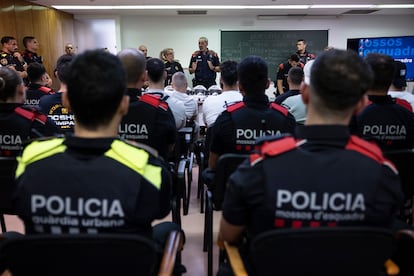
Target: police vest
x=251 y=124
x=299 y=205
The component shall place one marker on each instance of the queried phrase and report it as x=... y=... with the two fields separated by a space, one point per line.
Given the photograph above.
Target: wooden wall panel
x=52 y=28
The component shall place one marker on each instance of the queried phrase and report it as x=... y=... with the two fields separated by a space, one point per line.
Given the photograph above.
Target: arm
x=229 y=232
x=280 y=86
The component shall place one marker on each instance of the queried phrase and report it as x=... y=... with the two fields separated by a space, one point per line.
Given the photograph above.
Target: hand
x=194 y=66
x=210 y=65
x=18 y=56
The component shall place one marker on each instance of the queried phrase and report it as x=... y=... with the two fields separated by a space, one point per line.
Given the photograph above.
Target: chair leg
x=3 y=223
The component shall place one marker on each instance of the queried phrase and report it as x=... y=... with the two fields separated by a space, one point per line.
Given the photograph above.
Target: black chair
x=7 y=172
x=87 y=254
x=404 y=161
x=226 y=165
x=404 y=253
x=320 y=251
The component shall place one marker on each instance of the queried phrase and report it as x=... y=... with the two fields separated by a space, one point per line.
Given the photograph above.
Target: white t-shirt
x=403 y=95
x=296 y=107
x=190 y=105
x=214 y=105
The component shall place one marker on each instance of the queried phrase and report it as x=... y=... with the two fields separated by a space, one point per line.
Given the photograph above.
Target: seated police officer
x=237 y=128
x=342 y=180
x=37 y=86
x=386 y=120
x=52 y=104
x=18 y=123
x=95 y=182
x=149 y=119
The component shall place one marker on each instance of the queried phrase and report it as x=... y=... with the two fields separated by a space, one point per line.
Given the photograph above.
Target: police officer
x=10 y=57
x=237 y=128
x=31 y=46
x=304 y=55
x=321 y=191
x=52 y=105
x=171 y=66
x=149 y=119
x=37 y=86
x=387 y=121
x=204 y=63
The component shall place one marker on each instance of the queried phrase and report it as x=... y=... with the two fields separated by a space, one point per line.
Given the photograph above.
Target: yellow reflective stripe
x=135 y=159
x=38 y=150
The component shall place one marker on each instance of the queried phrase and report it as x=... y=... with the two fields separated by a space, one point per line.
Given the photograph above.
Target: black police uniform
x=18 y=124
x=386 y=122
x=149 y=121
x=80 y=185
x=52 y=106
x=336 y=180
x=30 y=57
x=35 y=92
x=305 y=57
x=281 y=98
x=171 y=68
x=203 y=74
x=237 y=128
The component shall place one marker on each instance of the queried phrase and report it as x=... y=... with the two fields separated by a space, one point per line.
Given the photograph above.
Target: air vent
x=360 y=12
x=192 y=12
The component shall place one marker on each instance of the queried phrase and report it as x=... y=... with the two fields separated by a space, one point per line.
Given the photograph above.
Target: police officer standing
x=303 y=54
x=31 y=46
x=204 y=63
x=11 y=58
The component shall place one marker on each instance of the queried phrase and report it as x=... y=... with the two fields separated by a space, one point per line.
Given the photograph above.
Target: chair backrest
x=322 y=251
x=404 y=161
x=7 y=172
x=83 y=254
x=226 y=165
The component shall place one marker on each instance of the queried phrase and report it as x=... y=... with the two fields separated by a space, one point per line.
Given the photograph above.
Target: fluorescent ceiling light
x=230 y=7
x=181 y=7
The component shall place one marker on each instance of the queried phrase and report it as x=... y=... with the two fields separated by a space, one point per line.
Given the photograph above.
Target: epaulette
x=196 y=53
x=281 y=66
x=404 y=103
x=369 y=149
x=236 y=106
x=46 y=89
x=154 y=101
x=272 y=146
x=211 y=52
x=279 y=108
x=31 y=114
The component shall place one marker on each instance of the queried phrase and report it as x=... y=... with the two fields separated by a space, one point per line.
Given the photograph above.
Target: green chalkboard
x=274 y=46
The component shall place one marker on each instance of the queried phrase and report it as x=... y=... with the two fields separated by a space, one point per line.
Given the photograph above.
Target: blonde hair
x=164 y=52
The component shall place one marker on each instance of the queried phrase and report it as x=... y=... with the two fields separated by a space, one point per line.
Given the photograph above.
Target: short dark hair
x=6 y=39
x=155 y=69
x=301 y=40
x=383 y=68
x=228 y=71
x=252 y=74
x=96 y=84
x=35 y=71
x=134 y=63
x=340 y=78
x=27 y=39
x=294 y=57
x=62 y=67
x=295 y=75
x=9 y=80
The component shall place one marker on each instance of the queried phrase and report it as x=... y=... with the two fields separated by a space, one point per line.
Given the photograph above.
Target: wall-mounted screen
x=399 y=47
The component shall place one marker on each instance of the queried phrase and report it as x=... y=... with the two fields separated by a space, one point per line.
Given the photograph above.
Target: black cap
x=400 y=72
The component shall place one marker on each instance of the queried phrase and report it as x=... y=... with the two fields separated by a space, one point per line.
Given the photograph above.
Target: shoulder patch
x=236 y=106
x=279 y=108
x=31 y=114
x=196 y=53
x=45 y=89
x=404 y=103
x=368 y=149
x=277 y=146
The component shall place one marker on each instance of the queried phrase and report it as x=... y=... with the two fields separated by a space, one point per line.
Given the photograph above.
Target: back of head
x=179 y=82
x=9 y=80
x=155 y=69
x=96 y=85
x=294 y=58
x=383 y=68
x=295 y=75
x=252 y=75
x=400 y=72
x=62 y=67
x=134 y=63
x=228 y=71
x=35 y=71
x=339 y=79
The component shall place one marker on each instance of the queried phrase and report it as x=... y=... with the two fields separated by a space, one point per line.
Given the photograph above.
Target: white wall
x=182 y=32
